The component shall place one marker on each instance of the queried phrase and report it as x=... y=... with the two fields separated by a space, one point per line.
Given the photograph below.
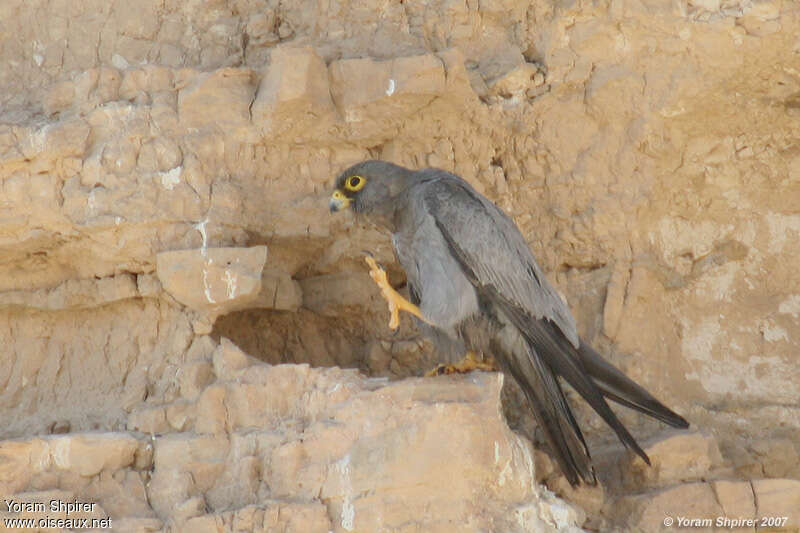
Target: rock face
x=164 y=171
x=291 y=448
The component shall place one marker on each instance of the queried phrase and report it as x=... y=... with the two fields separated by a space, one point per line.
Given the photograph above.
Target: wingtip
x=576 y=478
x=675 y=420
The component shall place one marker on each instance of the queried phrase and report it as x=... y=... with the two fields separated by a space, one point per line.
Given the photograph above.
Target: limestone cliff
x=165 y=251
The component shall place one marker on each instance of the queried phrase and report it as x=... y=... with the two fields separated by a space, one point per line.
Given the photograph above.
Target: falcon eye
x=354 y=183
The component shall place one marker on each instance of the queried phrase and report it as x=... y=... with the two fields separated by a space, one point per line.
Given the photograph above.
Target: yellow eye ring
x=354 y=183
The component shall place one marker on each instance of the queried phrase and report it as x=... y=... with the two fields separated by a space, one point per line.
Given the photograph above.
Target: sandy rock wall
x=248 y=446
x=164 y=170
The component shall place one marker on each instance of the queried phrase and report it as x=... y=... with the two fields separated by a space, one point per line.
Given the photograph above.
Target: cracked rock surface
x=173 y=290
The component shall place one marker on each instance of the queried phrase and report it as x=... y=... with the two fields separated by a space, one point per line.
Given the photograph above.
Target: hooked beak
x=338 y=201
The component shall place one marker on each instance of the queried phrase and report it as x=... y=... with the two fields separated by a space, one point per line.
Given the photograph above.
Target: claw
x=393 y=298
x=470 y=362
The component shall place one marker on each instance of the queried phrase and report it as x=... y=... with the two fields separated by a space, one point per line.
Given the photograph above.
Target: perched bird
x=475 y=286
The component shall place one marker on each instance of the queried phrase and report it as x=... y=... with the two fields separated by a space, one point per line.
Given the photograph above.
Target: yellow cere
x=339 y=201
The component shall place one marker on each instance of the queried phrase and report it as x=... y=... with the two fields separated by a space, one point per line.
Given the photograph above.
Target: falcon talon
x=469 y=363
x=438 y=370
x=393 y=298
x=469 y=267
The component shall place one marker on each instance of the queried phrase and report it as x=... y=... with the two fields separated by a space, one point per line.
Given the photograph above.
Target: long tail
x=618 y=387
x=547 y=400
x=547 y=354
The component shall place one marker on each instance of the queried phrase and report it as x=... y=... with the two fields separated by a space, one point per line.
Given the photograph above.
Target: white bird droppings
x=230 y=281
x=348 y=510
x=201 y=227
x=171 y=178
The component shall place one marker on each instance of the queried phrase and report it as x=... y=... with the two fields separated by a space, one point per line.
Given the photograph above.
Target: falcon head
x=369 y=187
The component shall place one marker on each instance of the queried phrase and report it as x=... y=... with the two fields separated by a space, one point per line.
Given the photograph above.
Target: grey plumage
x=477 y=284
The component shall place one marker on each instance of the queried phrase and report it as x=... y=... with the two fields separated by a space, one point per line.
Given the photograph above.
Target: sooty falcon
x=475 y=286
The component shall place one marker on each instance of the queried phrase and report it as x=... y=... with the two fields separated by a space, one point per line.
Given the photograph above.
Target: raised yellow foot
x=393 y=298
x=470 y=362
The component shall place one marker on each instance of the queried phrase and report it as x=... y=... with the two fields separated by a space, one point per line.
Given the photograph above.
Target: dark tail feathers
x=616 y=386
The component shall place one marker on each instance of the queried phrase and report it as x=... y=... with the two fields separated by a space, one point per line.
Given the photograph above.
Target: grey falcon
x=475 y=287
